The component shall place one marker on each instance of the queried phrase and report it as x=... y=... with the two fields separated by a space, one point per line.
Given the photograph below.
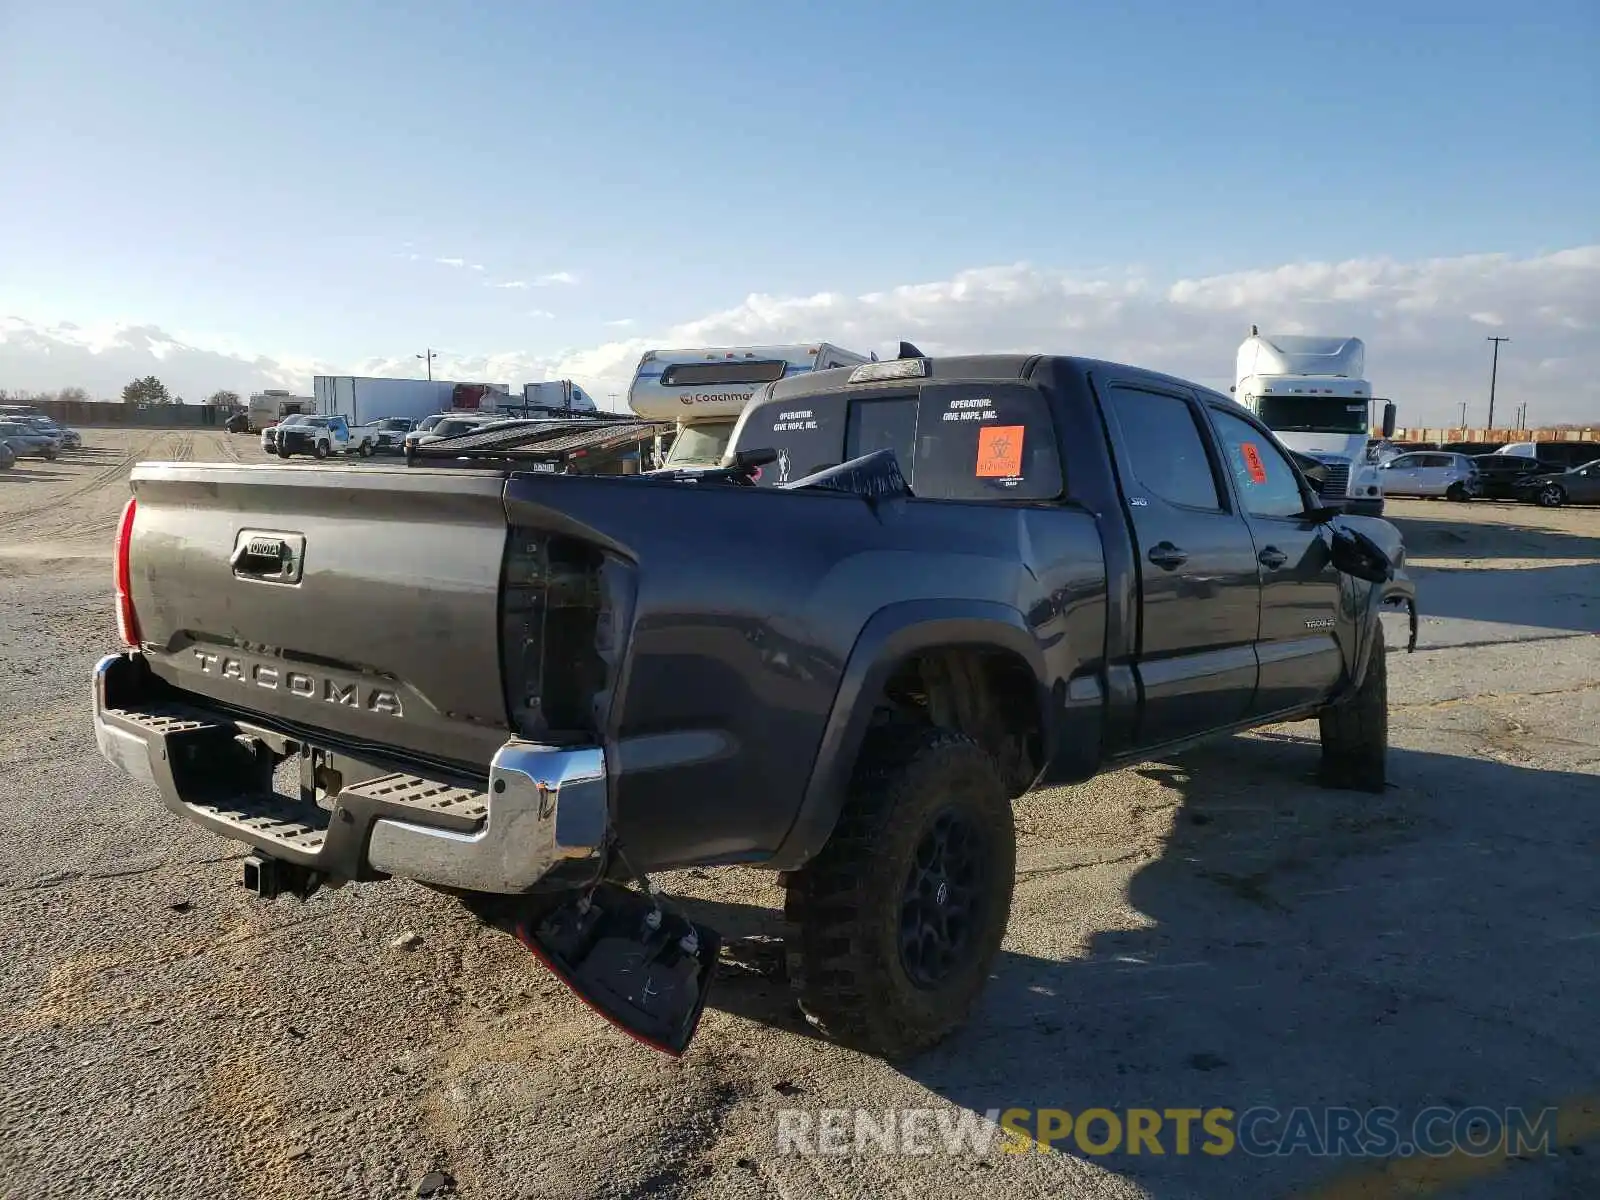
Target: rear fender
x=894 y=633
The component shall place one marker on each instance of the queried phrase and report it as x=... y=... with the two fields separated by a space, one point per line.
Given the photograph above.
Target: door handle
x=1272 y=558
x=1167 y=556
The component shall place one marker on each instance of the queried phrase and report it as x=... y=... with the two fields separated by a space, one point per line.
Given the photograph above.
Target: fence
x=111 y=412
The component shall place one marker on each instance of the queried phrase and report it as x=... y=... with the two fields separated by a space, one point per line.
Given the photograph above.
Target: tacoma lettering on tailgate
x=351 y=694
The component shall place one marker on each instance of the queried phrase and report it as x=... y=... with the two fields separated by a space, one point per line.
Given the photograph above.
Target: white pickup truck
x=322 y=436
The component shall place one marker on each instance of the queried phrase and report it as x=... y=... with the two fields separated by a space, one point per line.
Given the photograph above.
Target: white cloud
x=620 y=323
x=541 y=313
x=555 y=277
x=451 y=262
x=511 y=283
x=1423 y=322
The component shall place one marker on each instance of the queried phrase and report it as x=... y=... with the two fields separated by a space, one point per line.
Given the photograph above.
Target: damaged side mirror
x=1357 y=555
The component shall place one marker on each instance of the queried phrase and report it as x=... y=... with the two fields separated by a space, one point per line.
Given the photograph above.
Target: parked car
x=1581 y=485
x=1431 y=473
x=392 y=433
x=28 y=441
x=8 y=457
x=66 y=439
x=450 y=425
x=1498 y=474
x=423 y=426
x=921 y=588
x=239 y=422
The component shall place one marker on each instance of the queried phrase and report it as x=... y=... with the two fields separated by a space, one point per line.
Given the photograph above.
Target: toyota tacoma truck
x=915 y=590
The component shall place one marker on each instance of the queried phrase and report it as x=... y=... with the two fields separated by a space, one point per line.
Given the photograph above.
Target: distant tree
x=148 y=390
x=224 y=399
x=72 y=395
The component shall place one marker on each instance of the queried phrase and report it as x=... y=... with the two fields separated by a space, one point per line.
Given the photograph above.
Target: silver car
x=1431 y=473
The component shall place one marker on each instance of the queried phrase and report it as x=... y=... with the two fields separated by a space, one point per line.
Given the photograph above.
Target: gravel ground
x=1210 y=930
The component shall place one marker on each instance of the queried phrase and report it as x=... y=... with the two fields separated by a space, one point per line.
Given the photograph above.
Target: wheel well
x=986 y=693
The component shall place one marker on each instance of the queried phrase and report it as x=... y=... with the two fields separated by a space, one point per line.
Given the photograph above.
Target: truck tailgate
x=360 y=602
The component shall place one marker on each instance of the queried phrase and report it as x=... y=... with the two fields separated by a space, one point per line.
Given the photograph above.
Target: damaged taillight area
x=565 y=608
x=122 y=574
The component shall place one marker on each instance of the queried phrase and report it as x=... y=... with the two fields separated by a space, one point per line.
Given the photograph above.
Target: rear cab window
x=953 y=441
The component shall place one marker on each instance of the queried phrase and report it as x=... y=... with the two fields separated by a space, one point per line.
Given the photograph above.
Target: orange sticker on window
x=1252 y=462
x=1000 y=451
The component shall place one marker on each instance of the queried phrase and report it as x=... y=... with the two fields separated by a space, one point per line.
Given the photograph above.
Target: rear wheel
x=1551 y=495
x=1457 y=492
x=900 y=916
x=320 y=450
x=1355 y=731
x=366 y=450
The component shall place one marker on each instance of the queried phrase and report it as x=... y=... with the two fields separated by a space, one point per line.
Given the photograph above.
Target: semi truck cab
x=1311 y=392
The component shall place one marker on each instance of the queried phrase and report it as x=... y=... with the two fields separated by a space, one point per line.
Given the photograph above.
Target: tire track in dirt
x=91 y=508
x=101 y=476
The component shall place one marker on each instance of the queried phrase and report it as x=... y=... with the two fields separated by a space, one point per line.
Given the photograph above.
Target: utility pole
x=1463 y=424
x=1494 y=370
x=431 y=355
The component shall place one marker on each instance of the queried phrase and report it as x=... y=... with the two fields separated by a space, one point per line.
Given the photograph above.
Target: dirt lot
x=1212 y=930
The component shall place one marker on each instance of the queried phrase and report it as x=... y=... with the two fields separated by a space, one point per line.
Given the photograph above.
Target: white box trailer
x=362 y=399
x=557 y=394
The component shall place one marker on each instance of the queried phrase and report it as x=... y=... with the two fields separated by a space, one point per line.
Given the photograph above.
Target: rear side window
x=984 y=442
x=952 y=441
x=1163 y=448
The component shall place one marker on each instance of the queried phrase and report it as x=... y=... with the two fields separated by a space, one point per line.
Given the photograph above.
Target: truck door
x=1199 y=589
x=1298 y=647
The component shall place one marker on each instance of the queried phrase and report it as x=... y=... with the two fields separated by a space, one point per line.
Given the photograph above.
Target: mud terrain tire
x=895 y=924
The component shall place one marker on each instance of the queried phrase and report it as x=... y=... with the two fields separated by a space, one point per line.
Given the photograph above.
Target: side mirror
x=1388 y=418
x=1316 y=475
x=1359 y=556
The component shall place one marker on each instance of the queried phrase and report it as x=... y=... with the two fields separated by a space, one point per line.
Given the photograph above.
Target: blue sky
x=263 y=171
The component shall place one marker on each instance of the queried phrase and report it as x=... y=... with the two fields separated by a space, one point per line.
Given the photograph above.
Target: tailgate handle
x=266 y=556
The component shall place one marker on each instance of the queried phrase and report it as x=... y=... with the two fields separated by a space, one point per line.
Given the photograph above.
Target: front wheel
x=1355 y=731
x=1552 y=495
x=1457 y=492
x=50 y=453
x=366 y=450
x=901 y=914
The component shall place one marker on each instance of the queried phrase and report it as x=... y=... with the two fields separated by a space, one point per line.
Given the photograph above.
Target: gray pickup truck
x=917 y=589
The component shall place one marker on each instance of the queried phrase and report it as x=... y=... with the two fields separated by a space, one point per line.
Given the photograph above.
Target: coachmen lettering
x=300 y=683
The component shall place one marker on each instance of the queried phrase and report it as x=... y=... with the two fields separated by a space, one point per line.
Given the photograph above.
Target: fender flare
x=892 y=634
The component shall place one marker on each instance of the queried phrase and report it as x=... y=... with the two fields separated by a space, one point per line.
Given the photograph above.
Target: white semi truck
x=1311 y=390
x=702 y=392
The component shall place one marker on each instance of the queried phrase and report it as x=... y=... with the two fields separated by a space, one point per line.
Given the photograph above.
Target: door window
x=1265 y=479
x=1163 y=447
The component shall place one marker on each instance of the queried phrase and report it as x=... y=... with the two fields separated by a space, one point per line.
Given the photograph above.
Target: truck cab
x=703 y=391
x=1310 y=391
